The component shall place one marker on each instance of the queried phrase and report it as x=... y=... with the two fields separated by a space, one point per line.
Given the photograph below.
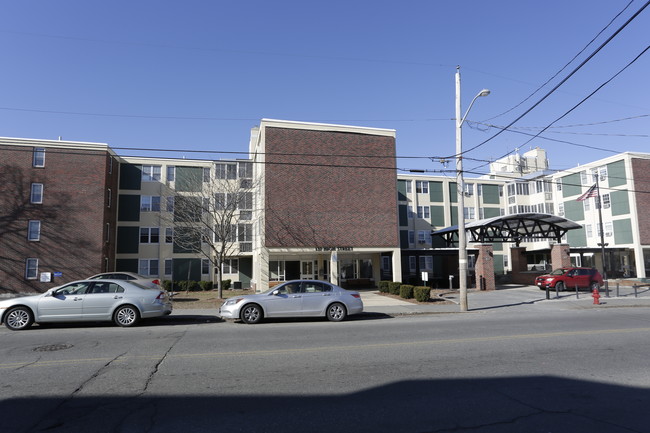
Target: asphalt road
x=488 y=371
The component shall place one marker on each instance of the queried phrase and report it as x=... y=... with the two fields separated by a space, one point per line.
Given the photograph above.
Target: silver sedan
x=123 y=302
x=298 y=298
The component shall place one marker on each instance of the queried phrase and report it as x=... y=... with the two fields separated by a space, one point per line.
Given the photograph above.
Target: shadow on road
x=517 y=404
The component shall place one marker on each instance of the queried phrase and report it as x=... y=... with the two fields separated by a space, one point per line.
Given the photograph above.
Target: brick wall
x=641 y=174
x=73 y=215
x=330 y=189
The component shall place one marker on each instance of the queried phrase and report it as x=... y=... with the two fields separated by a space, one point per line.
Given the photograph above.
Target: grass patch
x=204 y=300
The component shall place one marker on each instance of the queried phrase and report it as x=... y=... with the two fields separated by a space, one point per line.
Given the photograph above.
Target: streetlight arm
x=483 y=92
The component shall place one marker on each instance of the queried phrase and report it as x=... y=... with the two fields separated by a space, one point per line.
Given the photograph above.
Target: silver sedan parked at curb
x=120 y=301
x=297 y=298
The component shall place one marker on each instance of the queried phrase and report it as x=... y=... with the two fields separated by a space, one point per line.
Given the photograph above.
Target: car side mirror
x=275 y=292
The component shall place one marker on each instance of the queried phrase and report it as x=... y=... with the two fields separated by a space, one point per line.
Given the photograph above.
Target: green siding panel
x=438 y=216
x=574 y=210
x=435 y=191
x=130 y=176
x=127 y=265
x=129 y=207
x=454 y=216
x=401 y=190
x=404 y=239
x=184 y=269
x=616 y=173
x=623 y=232
x=490 y=194
x=453 y=192
x=189 y=179
x=491 y=212
x=498 y=264
x=620 y=202
x=245 y=271
x=403 y=215
x=128 y=240
x=571 y=185
x=497 y=246
x=577 y=238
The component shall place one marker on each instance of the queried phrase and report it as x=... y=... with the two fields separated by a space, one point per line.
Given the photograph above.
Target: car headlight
x=232 y=301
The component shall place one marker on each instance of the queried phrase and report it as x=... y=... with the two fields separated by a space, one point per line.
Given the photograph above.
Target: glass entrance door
x=307 y=270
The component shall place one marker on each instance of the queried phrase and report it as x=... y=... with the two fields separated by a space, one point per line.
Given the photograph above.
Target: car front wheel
x=252 y=314
x=336 y=312
x=126 y=315
x=19 y=318
x=560 y=286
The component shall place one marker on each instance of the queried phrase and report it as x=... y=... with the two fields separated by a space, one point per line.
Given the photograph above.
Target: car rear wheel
x=251 y=314
x=336 y=312
x=126 y=315
x=560 y=286
x=19 y=318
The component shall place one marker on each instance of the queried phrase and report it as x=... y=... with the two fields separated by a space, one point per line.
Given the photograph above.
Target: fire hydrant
x=596 y=295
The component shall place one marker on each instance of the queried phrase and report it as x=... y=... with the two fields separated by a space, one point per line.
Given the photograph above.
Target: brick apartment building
x=329 y=209
x=57 y=212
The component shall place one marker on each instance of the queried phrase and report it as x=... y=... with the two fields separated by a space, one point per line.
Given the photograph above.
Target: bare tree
x=211 y=212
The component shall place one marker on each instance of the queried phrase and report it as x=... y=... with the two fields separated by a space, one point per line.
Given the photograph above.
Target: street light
x=460 y=184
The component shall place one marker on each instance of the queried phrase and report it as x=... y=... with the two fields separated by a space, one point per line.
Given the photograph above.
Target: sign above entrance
x=334 y=248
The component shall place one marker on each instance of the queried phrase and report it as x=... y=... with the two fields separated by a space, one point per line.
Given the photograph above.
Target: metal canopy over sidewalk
x=512 y=228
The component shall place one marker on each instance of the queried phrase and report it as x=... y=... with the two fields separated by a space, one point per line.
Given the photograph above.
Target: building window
x=151 y=173
x=149 y=235
x=506 y=259
x=422 y=236
x=469 y=213
x=109 y=197
x=36 y=196
x=169 y=266
x=205 y=266
x=558 y=184
x=38 y=159
x=148 y=267
x=606 y=201
x=110 y=165
x=609 y=229
x=246 y=170
x=410 y=212
x=588 y=230
x=412 y=265
x=150 y=203
x=169 y=204
x=108 y=232
x=422 y=186
x=409 y=187
x=34 y=230
x=169 y=235
x=31 y=269
x=245 y=233
x=560 y=209
x=411 y=237
x=584 y=179
x=171 y=173
x=206 y=174
x=602 y=173
x=231 y=266
x=469 y=189
x=276 y=270
x=586 y=204
x=225 y=171
x=426 y=263
x=479 y=189
x=424 y=211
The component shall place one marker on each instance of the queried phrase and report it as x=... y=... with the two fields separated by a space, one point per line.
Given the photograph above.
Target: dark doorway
x=292 y=270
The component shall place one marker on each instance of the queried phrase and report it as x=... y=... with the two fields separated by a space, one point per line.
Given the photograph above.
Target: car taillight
x=156 y=282
x=161 y=296
x=356 y=295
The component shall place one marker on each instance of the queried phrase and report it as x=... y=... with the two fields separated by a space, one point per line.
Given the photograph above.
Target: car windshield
x=559 y=272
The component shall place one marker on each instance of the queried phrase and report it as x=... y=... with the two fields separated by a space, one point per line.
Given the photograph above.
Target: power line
x=566 y=65
x=564 y=80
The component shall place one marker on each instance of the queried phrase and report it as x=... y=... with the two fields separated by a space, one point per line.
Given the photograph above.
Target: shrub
x=206 y=285
x=393 y=288
x=383 y=286
x=406 y=291
x=422 y=294
x=225 y=284
x=193 y=286
x=167 y=285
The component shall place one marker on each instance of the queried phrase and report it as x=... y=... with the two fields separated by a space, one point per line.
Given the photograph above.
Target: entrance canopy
x=512 y=228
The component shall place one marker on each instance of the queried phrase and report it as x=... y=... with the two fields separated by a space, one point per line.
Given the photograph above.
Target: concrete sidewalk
x=507 y=297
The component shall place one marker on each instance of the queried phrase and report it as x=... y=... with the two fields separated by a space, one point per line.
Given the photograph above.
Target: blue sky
x=197 y=75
